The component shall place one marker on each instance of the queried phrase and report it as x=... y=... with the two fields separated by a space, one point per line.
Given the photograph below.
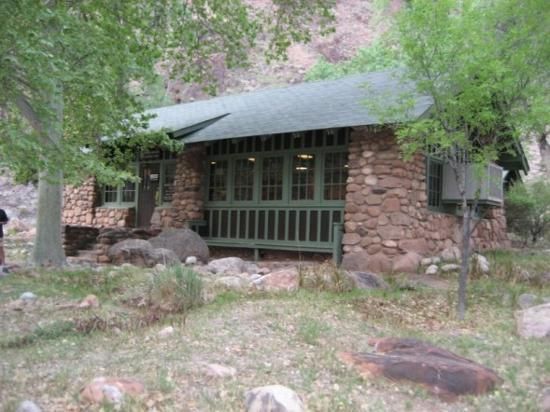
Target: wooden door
x=148 y=192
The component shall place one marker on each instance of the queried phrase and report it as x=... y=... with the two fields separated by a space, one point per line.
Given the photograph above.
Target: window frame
x=309 y=142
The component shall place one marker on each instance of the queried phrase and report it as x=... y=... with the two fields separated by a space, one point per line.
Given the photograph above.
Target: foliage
x=528 y=210
x=377 y=56
x=176 y=289
x=483 y=64
x=325 y=277
x=88 y=53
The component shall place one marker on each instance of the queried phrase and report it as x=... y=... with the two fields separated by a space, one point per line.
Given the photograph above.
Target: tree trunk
x=465 y=260
x=48 y=247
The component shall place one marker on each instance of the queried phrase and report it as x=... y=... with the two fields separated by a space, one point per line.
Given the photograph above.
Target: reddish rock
x=94 y=392
x=286 y=280
x=407 y=263
x=391 y=204
x=441 y=372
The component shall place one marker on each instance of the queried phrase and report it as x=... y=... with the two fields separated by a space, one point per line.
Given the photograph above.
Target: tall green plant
x=485 y=65
x=66 y=67
x=528 y=210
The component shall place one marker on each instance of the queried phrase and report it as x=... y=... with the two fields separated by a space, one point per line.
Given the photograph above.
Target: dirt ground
x=289 y=339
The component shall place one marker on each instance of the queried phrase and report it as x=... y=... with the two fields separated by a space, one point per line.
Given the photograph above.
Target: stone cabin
x=301 y=168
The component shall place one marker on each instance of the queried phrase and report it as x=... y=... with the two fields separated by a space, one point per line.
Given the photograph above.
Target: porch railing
x=308 y=229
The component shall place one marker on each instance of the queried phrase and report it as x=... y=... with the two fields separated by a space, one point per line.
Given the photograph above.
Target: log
x=441 y=372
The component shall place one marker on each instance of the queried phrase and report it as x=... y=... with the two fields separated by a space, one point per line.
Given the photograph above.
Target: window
x=169 y=175
x=120 y=194
x=434 y=182
x=128 y=192
x=218 y=180
x=272 y=178
x=303 y=177
x=243 y=187
x=110 y=194
x=335 y=176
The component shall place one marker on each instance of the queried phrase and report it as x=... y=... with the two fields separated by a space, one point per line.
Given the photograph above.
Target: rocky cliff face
x=358 y=22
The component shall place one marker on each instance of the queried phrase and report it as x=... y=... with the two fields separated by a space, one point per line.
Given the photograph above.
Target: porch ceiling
x=307 y=106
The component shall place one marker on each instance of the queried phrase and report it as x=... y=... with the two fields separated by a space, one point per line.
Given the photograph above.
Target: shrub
x=528 y=210
x=176 y=289
x=325 y=277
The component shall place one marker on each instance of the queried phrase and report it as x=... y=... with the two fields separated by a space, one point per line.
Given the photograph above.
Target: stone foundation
x=386 y=213
x=79 y=237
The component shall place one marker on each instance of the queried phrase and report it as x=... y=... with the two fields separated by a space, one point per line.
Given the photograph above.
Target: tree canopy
x=66 y=70
x=89 y=51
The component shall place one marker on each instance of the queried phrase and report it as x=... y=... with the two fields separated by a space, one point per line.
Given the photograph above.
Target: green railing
x=303 y=228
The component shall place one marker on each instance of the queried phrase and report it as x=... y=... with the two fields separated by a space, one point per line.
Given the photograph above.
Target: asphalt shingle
x=307 y=106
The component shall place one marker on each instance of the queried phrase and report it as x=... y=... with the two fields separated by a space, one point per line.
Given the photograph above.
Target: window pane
x=168 y=184
x=335 y=176
x=272 y=178
x=128 y=192
x=110 y=194
x=303 y=177
x=244 y=179
x=218 y=180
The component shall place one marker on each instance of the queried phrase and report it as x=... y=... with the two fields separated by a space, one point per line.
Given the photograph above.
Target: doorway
x=149 y=174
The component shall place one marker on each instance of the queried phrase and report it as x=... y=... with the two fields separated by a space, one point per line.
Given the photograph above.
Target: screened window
x=169 y=175
x=243 y=187
x=110 y=194
x=218 y=180
x=335 y=176
x=272 y=178
x=303 y=177
x=434 y=182
x=128 y=192
x=125 y=193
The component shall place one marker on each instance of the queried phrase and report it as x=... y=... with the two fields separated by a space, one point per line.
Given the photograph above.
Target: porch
x=284 y=192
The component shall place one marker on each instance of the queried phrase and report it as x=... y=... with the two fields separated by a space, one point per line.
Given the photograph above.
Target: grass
x=290 y=339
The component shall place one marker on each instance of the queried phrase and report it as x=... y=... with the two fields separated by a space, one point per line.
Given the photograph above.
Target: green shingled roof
x=307 y=106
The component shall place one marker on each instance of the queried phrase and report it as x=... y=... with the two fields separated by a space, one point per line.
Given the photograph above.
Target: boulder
x=228 y=266
x=273 y=398
x=432 y=270
x=105 y=389
x=355 y=261
x=426 y=261
x=165 y=332
x=28 y=406
x=140 y=252
x=280 y=280
x=534 y=322
x=191 y=260
x=134 y=251
x=28 y=297
x=367 y=280
x=527 y=300
x=450 y=267
x=451 y=254
x=407 y=263
x=441 y=372
x=183 y=242
x=480 y=264
x=90 y=301
x=232 y=283
x=165 y=257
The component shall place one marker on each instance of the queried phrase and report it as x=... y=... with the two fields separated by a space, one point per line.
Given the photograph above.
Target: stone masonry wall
x=187 y=201
x=81 y=208
x=387 y=221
